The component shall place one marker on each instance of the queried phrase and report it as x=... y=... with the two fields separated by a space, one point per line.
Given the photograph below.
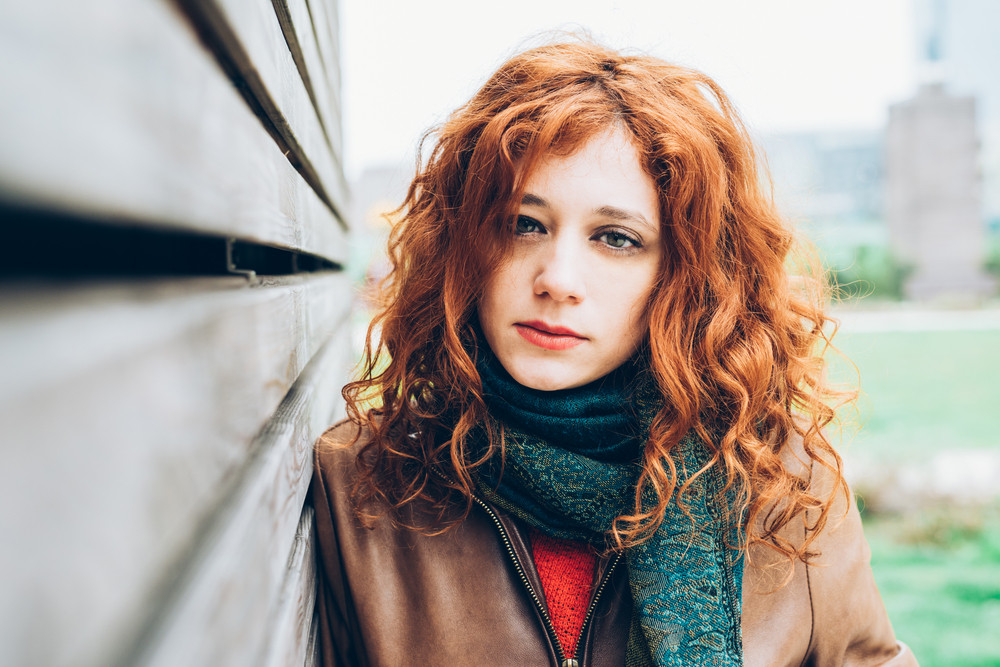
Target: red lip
x=549 y=329
x=548 y=337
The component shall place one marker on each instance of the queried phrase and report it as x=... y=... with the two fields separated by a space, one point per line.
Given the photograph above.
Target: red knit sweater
x=567 y=572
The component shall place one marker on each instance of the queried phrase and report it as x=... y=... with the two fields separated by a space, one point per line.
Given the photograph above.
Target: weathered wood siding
x=173 y=326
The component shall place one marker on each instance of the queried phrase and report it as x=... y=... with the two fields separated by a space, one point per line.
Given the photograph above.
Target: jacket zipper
x=592 y=608
x=546 y=619
x=550 y=629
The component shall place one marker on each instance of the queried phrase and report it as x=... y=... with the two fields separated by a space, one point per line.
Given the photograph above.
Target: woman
x=591 y=430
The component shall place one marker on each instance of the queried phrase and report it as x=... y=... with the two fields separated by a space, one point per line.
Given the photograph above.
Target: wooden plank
x=116 y=111
x=326 y=25
x=247 y=36
x=128 y=413
x=324 y=17
x=289 y=630
x=234 y=583
x=297 y=27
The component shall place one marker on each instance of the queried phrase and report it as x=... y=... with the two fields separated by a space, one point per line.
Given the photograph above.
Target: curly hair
x=736 y=343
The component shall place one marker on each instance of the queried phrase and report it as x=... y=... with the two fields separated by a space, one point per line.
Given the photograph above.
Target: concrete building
x=958 y=45
x=831 y=179
x=933 y=197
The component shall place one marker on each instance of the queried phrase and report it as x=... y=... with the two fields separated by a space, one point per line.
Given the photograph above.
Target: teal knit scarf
x=570 y=468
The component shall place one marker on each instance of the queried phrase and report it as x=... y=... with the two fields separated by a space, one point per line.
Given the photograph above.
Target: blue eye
x=526 y=225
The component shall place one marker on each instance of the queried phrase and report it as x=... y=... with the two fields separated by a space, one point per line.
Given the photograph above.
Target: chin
x=548 y=384
x=538 y=376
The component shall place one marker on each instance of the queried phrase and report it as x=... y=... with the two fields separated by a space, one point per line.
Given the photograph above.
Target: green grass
x=943 y=596
x=924 y=391
x=938 y=570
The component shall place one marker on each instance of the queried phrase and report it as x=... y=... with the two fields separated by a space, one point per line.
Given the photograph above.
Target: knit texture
x=566 y=569
x=685 y=580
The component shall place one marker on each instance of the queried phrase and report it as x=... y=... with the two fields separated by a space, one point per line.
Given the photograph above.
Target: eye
x=525 y=225
x=618 y=240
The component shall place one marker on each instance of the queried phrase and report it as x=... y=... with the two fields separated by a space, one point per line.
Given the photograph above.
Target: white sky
x=787 y=64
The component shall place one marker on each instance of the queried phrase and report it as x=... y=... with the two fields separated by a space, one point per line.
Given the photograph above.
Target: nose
x=561 y=274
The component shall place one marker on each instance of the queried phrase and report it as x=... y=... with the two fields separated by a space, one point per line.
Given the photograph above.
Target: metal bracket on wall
x=250 y=274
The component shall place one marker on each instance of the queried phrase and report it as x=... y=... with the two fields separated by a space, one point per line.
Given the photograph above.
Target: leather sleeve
x=850 y=626
x=340 y=644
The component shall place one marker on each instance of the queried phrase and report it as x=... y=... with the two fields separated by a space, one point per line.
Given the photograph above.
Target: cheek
x=635 y=320
x=487 y=308
x=495 y=299
x=504 y=280
x=633 y=307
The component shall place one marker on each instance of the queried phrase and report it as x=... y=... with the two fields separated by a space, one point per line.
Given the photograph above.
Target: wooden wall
x=173 y=326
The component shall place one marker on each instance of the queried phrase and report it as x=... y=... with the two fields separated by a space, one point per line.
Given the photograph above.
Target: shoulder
x=344 y=435
x=338 y=447
x=335 y=455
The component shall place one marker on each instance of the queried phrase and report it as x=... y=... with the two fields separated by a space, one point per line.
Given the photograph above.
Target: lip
x=547 y=336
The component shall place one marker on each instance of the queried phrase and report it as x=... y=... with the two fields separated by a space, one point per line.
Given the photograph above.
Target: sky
x=788 y=65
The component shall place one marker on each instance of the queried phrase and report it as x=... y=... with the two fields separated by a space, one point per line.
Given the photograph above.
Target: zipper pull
x=570 y=662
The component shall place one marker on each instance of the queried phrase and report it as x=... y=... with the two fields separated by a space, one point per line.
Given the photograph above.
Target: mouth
x=549 y=337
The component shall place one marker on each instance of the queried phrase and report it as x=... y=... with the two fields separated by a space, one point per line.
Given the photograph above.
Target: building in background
x=831 y=183
x=912 y=209
x=942 y=190
x=934 y=206
x=959 y=49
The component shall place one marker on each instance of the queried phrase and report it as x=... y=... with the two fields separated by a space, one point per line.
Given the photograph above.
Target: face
x=568 y=305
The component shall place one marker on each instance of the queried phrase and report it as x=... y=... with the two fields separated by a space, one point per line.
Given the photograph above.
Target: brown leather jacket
x=472 y=596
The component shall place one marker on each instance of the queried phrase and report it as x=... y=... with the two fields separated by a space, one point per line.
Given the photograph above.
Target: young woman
x=590 y=431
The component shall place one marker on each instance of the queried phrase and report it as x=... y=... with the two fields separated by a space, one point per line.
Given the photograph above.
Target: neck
x=598 y=420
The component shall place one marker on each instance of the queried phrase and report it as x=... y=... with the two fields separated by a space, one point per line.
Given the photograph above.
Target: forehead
x=603 y=173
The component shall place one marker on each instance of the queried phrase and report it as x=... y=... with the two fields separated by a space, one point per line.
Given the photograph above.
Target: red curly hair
x=734 y=340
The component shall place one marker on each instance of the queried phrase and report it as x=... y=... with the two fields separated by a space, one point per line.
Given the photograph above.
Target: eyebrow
x=612 y=212
x=621 y=214
x=533 y=200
